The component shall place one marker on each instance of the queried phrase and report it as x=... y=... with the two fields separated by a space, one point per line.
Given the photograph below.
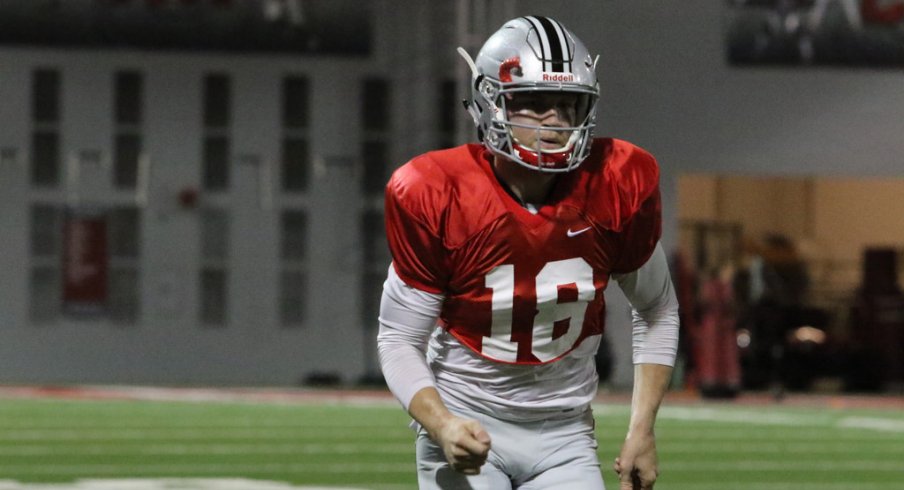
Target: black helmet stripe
x=542 y=36
x=558 y=46
x=567 y=54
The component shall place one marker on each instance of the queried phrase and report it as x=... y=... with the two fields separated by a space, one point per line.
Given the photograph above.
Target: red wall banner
x=84 y=263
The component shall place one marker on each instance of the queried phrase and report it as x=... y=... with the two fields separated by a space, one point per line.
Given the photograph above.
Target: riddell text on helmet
x=558 y=77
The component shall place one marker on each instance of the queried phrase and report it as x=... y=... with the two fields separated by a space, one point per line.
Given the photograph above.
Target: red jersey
x=521 y=287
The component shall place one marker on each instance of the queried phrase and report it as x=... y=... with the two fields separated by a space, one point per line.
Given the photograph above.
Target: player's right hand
x=465 y=443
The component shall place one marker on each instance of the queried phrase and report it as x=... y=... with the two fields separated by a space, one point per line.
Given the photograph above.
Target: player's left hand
x=638 y=465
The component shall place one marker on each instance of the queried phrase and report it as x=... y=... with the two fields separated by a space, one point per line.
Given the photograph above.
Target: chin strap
x=549 y=159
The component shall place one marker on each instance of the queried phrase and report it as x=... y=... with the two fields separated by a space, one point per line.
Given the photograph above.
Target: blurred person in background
x=716 y=339
x=779 y=306
x=493 y=306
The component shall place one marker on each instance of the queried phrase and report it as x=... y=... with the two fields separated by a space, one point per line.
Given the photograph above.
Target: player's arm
x=407 y=318
x=655 y=345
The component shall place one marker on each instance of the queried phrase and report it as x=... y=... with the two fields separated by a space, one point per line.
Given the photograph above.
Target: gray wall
x=167 y=345
x=665 y=86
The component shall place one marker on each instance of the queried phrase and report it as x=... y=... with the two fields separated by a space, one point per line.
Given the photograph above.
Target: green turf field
x=370 y=446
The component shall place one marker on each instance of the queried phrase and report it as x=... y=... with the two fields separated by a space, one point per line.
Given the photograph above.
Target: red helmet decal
x=509 y=66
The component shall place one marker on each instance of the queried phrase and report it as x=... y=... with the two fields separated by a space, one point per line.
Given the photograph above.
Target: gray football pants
x=558 y=453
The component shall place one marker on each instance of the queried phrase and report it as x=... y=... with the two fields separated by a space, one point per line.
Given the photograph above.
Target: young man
x=507 y=247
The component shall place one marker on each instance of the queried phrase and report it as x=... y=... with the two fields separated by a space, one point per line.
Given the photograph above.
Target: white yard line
x=375 y=398
x=164 y=484
x=775 y=418
x=872 y=423
x=117 y=434
x=787 y=447
x=697 y=466
x=205 y=449
x=759 y=417
x=214 y=469
x=788 y=485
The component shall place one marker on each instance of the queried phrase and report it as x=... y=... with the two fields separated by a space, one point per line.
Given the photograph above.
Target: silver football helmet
x=533 y=54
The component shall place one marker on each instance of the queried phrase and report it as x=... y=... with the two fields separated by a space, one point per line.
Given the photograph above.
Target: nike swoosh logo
x=576 y=233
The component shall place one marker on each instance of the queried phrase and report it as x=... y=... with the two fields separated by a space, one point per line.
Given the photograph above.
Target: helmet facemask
x=548 y=148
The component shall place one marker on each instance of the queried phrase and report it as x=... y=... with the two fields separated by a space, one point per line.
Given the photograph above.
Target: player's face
x=551 y=109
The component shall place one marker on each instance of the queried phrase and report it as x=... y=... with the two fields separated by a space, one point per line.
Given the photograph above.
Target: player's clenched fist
x=465 y=443
x=638 y=465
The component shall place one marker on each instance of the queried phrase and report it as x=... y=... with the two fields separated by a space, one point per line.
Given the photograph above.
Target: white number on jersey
x=574 y=272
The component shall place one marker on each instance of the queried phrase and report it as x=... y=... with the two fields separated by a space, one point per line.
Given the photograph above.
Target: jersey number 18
x=574 y=273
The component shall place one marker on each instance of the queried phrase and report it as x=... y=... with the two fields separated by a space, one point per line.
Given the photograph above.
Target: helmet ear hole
x=489 y=90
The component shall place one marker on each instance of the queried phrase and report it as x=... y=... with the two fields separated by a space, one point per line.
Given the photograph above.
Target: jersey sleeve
x=643 y=227
x=412 y=215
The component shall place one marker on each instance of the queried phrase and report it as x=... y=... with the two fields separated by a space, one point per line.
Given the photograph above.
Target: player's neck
x=525 y=185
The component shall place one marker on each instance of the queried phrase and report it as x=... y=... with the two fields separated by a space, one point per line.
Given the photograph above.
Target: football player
x=493 y=307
